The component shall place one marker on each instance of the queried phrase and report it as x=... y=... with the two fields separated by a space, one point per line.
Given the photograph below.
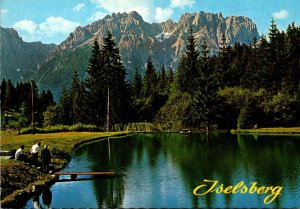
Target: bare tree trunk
x=107 y=116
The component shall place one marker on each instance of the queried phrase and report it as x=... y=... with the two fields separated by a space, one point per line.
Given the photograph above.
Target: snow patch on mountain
x=162 y=36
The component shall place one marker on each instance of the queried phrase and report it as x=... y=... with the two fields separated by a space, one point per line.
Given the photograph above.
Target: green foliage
x=283 y=109
x=136 y=127
x=51 y=116
x=79 y=127
x=174 y=114
x=20 y=99
x=21 y=119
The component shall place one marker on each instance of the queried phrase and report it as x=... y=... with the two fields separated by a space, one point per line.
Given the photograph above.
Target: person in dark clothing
x=46 y=158
x=47 y=197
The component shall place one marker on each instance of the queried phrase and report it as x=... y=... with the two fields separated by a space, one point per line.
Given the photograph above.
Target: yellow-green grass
x=63 y=140
x=278 y=130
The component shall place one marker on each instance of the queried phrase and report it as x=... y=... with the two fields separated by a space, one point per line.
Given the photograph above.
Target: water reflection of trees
x=110 y=155
x=224 y=157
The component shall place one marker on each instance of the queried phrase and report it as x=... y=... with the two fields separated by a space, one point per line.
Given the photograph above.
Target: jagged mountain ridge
x=137 y=38
x=165 y=42
x=20 y=59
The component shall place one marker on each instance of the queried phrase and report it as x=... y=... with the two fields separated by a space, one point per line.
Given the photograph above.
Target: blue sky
x=51 y=21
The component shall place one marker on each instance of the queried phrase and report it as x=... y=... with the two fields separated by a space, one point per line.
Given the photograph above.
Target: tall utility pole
x=32 y=107
x=107 y=115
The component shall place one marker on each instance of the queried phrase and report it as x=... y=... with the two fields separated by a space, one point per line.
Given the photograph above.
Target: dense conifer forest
x=243 y=86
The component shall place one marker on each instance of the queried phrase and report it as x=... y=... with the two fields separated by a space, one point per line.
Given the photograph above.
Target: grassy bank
x=17 y=179
x=271 y=131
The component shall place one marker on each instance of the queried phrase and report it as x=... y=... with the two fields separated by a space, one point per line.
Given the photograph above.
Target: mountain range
x=52 y=66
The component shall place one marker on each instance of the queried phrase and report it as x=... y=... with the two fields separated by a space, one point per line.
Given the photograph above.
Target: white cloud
x=3 y=11
x=53 y=25
x=163 y=14
x=79 y=7
x=26 y=25
x=144 y=7
x=50 y=27
x=181 y=3
x=96 y=16
x=281 y=14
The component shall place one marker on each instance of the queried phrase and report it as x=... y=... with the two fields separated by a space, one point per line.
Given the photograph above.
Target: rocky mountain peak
x=136 y=16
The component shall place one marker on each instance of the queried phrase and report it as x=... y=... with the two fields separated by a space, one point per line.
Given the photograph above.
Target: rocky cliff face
x=18 y=58
x=165 y=42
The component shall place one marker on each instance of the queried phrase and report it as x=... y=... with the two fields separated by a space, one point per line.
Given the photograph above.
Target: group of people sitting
x=34 y=151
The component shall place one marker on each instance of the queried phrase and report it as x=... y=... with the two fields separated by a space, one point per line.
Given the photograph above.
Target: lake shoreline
x=39 y=182
x=268 y=131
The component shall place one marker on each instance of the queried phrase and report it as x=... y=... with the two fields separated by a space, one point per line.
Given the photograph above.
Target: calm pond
x=162 y=170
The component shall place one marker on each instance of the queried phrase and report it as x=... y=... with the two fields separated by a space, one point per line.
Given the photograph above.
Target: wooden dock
x=75 y=174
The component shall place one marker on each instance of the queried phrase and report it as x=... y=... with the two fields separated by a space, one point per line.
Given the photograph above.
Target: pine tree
x=3 y=89
x=274 y=56
x=94 y=86
x=77 y=102
x=263 y=68
x=223 y=63
x=65 y=105
x=9 y=98
x=170 y=76
x=108 y=91
x=150 y=79
x=187 y=71
x=117 y=89
x=205 y=102
x=163 y=81
x=137 y=84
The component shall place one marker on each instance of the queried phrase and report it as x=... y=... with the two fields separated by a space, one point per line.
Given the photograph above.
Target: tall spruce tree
x=9 y=98
x=65 y=107
x=94 y=85
x=150 y=79
x=187 y=71
x=171 y=76
x=107 y=88
x=274 y=54
x=223 y=62
x=203 y=110
x=136 y=84
x=117 y=89
x=163 y=81
x=77 y=93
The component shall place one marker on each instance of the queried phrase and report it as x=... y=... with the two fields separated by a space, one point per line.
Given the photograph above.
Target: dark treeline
x=244 y=86
x=17 y=101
